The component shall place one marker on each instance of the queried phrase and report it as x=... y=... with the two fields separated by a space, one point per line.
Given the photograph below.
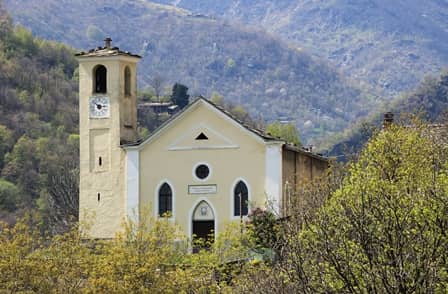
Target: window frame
x=162 y=185
x=235 y=199
x=210 y=172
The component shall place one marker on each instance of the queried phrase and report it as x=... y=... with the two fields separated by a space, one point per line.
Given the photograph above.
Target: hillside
x=38 y=123
x=429 y=101
x=247 y=66
x=391 y=45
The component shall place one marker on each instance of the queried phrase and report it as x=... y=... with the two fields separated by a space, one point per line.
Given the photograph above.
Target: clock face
x=99 y=107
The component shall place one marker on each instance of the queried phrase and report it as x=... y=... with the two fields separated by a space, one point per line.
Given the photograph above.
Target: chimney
x=107 y=42
x=388 y=119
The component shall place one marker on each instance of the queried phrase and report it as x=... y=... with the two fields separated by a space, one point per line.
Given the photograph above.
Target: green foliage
x=287 y=132
x=240 y=112
x=180 y=95
x=370 y=41
x=267 y=76
x=217 y=99
x=151 y=257
x=429 y=101
x=387 y=222
x=6 y=142
x=231 y=66
x=264 y=228
x=38 y=115
x=382 y=231
x=21 y=167
x=9 y=195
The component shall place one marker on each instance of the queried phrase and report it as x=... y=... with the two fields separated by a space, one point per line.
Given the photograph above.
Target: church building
x=202 y=169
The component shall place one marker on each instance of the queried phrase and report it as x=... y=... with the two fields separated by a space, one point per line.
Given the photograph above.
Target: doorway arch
x=203 y=224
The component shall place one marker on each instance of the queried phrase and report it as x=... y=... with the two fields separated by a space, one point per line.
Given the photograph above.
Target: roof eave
x=308 y=153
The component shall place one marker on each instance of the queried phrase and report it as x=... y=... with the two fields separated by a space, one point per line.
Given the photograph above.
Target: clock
x=99 y=107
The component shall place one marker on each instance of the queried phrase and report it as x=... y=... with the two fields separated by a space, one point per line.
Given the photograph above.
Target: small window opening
x=127 y=81
x=202 y=136
x=100 y=161
x=202 y=171
x=100 y=79
x=240 y=199
x=99 y=197
x=165 y=200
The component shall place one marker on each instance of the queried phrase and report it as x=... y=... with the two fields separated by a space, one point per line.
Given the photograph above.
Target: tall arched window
x=240 y=199
x=100 y=79
x=165 y=200
x=127 y=81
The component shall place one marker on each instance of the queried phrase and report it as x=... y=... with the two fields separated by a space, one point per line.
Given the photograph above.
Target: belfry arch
x=100 y=79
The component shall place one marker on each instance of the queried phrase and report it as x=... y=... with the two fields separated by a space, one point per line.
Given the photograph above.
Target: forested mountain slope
x=38 y=120
x=389 y=44
x=429 y=102
x=265 y=75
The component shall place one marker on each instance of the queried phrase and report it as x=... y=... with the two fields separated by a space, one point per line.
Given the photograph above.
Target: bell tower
x=107 y=119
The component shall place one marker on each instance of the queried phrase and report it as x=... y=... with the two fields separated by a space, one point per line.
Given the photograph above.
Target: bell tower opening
x=127 y=81
x=100 y=79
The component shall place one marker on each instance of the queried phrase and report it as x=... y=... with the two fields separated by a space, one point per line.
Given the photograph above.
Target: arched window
x=240 y=199
x=127 y=81
x=165 y=200
x=100 y=79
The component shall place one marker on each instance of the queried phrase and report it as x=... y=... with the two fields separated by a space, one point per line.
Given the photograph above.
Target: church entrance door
x=203 y=225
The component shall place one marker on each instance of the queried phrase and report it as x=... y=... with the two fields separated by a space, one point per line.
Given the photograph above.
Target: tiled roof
x=104 y=51
x=107 y=50
x=305 y=151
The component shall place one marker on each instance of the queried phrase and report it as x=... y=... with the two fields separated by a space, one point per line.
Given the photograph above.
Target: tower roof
x=107 y=50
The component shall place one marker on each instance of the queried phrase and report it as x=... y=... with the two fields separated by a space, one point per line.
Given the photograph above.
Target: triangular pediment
x=202 y=137
x=205 y=132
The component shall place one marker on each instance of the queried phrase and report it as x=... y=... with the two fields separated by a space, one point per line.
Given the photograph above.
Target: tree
x=264 y=229
x=62 y=202
x=385 y=229
x=21 y=168
x=6 y=142
x=148 y=257
x=180 y=96
x=287 y=132
x=217 y=99
x=157 y=84
x=9 y=195
x=240 y=113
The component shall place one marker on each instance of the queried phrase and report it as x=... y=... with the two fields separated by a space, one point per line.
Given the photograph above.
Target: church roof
x=106 y=51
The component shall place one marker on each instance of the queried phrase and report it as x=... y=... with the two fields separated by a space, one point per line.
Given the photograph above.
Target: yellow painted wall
x=101 y=137
x=231 y=152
